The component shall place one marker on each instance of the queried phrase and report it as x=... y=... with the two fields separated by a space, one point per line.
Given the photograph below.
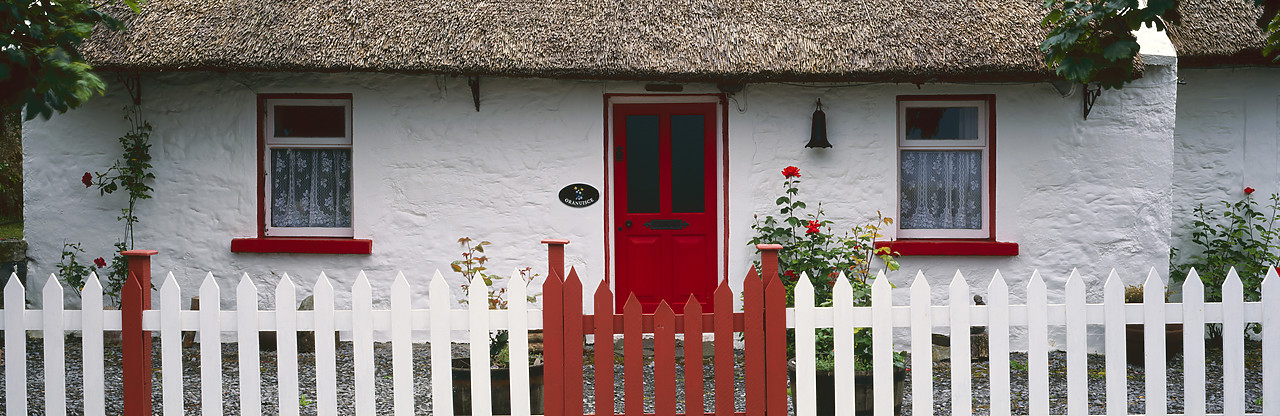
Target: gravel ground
x=421 y=352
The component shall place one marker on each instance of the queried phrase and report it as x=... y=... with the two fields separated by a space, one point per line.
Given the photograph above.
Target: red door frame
x=721 y=101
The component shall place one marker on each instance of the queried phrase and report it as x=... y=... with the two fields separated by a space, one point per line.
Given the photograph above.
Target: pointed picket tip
x=664 y=310
x=804 y=282
x=958 y=280
x=920 y=281
x=363 y=280
x=209 y=282
x=169 y=281
x=1233 y=282
x=632 y=305
x=997 y=283
x=90 y=285
x=437 y=282
x=52 y=284
x=515 y=279
x=1036 y=280
x=1074 y=281
x=572 y=279
x=401 y=284
x=881 y=281
x=1270 y=283
x=13 y=281
x=1113 y=281
x=1153 y=282
x=324 y=282
x=285 y=283
x=246 y=283
x=692 y=306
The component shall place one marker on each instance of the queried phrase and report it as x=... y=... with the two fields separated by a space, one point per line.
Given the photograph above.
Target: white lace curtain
x=311 y=188
x=941 y=189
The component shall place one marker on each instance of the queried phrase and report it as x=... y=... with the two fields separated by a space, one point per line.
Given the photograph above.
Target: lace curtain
x=942 y=189
x=311 y=188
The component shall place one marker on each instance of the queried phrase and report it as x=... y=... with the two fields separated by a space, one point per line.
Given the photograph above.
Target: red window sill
x=315 y=245
x=951 y=247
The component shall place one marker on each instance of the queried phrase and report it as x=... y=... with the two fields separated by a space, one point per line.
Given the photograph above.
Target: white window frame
x=981 y=143
x=270 y=142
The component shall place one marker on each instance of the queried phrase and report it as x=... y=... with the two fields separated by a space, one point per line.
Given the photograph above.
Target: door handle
x=627 y=223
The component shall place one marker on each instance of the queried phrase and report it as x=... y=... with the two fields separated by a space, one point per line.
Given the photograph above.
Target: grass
x=11 y=231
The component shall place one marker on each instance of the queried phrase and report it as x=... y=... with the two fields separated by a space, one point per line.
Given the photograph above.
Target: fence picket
x=998 y=343
x=725 y=394
x=171 y=346
x=15 y=345
x=1193 y=373
x=362 y=344
x=210 y=348
x=753 y=341
x=287 y=346
x=842 y=334
x=91 y=345
x=604 y=349
x=632 y=357
x=1271 y=342
x=1037 y=347
x=518 y=343
x=1077 y=342
x=441 y=365
x=1114 y=333
x=882 y=344
x=1233 y=344
x=664 y=360
x=1153 y=337
x=961 y=364
x=326 y=356
x=247 y=334
x=573 y=337
x=921 y=347
x=806 y=385
x=775 y=321
x=402 y=347
x=693 y=357
x=478 y=321
x=55 y=372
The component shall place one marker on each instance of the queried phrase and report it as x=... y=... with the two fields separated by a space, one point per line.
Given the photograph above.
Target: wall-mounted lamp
x=818 y=134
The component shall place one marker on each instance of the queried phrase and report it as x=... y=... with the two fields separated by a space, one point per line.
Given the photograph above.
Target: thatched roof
x=1218 y=32
x=682 y=40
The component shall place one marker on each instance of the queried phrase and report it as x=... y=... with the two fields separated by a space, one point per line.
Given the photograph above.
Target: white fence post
x=806 y=385
x=1154 y=326
x=478 y=317
x=518 y=341
x=1193 y=376
x=882 y=344
x=1077 y=342
x=1113 y=307
x=326 y=357
x=247 y=346
x=171 y=346
x=1271 y=342
x=441 y=348
x=1232 y=344
x=287 y=346
x=961 y=362
x=922 y=347
x=998 y=343
x=15 y=345
x=91 y=345
x=842 y=303
x=362 y=344
x=55 y=353
x=210 y=348
x=402 y=346
x=1037 y=347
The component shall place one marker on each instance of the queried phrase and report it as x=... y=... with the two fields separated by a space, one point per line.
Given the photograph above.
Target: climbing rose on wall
x=812 y=228
x=1248 y=190
x=87 y=180
x=100 y=262
x=791 y=172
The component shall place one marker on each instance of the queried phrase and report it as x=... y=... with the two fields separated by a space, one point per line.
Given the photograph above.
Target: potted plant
x=1134 y=333
x=471 y=266
x=809 y=247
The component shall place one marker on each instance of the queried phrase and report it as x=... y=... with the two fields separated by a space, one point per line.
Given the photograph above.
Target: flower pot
x=863 y=391
x=500 y=388
x=1135 y=342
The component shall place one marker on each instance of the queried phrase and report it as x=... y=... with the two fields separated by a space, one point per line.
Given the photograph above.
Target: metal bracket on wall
x=133 y=84
x=474 y=82
x=1091 y=93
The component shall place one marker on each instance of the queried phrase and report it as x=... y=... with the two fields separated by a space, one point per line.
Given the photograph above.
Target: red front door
x=665 y=203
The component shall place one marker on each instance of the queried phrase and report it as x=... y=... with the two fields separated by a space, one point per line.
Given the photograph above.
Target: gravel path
x=421 y=353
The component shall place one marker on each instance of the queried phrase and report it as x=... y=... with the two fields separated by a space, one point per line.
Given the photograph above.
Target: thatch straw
x=1218 y=32
x=678 y=40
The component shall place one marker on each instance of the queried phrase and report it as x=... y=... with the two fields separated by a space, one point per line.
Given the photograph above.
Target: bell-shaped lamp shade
x=818 y=134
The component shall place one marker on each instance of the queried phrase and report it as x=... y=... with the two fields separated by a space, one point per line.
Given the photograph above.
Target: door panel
x=665 y=200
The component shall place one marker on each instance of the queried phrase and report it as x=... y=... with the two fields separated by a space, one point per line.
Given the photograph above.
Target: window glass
x=941 y=189
x=688 y=182
x=310 y=188
x=941 y=123
x=642 y=164
x=310 y=121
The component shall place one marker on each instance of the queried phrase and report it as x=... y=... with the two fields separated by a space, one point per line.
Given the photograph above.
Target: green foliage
x=40 y=67
x=471 y=266
x=809 y=248
x=1093 y=41
x=1242 y=236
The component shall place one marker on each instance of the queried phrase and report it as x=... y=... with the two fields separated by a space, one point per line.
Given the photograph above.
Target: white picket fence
x=401 y=321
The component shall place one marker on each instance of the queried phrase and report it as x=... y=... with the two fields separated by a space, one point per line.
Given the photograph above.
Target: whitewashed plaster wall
x=1092 y=195
x=1227 y=138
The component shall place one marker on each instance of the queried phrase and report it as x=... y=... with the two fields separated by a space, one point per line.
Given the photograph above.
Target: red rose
x=791 y=172
x=791 y=274
x=99 y=262
x=813 y=227
x=1248 y=190
x=87 y=180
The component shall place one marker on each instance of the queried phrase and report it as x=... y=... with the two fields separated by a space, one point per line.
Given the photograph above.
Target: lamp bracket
x=132 y=84
x=1090 y=96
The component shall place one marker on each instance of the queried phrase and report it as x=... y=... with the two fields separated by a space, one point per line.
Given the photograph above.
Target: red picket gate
x=762 y=322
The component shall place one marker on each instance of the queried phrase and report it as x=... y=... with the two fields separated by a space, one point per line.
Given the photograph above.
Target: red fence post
x=555 y=256
x=136 y=343
x=775 y=331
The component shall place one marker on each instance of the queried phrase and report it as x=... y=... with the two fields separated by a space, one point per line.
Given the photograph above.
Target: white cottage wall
x=429 y=168
x=1227 y=139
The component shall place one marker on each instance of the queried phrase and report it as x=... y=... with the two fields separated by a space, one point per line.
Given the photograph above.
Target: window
x=944 y=166
x=307 y=167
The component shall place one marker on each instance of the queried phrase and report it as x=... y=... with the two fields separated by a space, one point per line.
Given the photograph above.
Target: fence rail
x=568 y=326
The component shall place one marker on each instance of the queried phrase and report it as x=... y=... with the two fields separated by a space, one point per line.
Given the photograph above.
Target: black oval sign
x=579 y=195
